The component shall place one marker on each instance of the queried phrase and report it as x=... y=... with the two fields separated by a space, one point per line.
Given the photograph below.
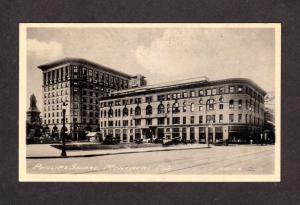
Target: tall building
x=79 y=83
x=196 y=109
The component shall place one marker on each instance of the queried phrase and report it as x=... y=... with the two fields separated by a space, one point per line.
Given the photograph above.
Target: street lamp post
x=63 y=150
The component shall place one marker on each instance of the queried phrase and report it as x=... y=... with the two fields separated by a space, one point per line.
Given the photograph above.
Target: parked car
x=167 y=142
x=138 y=140
x=219 y=142
x=158 y=140
x=109 y=140
x=176 y=140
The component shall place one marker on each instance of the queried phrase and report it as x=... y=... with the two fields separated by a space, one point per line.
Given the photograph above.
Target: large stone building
x=196 y=109
x=79 y=83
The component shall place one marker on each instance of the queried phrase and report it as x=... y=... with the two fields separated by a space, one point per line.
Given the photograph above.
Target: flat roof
x=187 y=83
x=83 y=62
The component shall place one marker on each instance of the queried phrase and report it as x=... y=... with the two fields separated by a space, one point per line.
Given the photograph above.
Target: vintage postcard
x=179 y=102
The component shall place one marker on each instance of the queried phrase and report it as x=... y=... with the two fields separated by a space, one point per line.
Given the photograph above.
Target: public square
x=193 y=159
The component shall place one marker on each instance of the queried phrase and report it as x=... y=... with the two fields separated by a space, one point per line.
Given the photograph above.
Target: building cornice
x=82 y=62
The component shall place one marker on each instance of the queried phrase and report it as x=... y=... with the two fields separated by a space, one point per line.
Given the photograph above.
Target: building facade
x=197 y=110
x=79 y=83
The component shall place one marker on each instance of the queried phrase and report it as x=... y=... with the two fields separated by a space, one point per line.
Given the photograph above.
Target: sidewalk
x=40 y=151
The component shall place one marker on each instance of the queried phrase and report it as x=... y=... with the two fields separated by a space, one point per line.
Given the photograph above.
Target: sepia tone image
x=149 y=102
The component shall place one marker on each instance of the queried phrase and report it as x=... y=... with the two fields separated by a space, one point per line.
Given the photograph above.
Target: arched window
x=192 y=107
x=175 y=107
x=231 y=104
x=110 y=113
x=149 y=110
x=240 y=104
x=161 y=109
x=137 y=110
x=125 y=111
x=210 y=104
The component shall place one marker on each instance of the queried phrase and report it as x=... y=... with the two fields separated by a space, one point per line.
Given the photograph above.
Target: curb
x=105 y=154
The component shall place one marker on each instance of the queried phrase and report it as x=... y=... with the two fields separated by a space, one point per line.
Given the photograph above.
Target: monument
x=33 y=122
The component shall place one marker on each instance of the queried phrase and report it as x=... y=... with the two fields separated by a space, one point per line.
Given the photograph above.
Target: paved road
x=243 y=159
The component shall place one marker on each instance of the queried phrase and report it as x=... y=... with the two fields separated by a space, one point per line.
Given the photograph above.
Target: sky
x=161 y=54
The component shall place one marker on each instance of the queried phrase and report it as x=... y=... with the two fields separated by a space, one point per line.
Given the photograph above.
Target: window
x=220 y=118
x=200 y=119
x=208 y=92
x=240 y=89
x=137 y=110
x=184 y=120
x=200 y=108
x=137 y=100
x=221 y=90
x=175 y=108
x=185 y=95
x=184 y=107
x=148 y=121
x=168 y=97
x=131 y=111
x=149 y=99
x=210 y=118
x=230 y=117
x=161 y=121
x=160 y=98
x=168 y=108
x=214 y=91
x=110 y=113
x=192 y=107
x=210 y=104
x=192 y=120
x=240 y=118
x=201 y=93
x=125 y=111
x=231 y=104
x=201 y=101
x=110 y=123
x=240 y=104
x=246 y=104
x=168 y=121
x=220 y=106
x=192 y=94
x=231 y=89
x=161 y=109
x=174 y=96
x=149 y=110
x=137 y=121
x=175 y=120
x=178 y=95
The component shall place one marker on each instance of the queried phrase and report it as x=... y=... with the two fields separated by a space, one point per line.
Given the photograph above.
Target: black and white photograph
x=149 y=102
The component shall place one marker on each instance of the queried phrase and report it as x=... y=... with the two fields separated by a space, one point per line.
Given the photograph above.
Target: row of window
x=57 y=100
x=210 y=105
x=59 y=121
x=99 y=77
x=177 y=120
x=191 y=94
x=57 y=75
x=54 y=107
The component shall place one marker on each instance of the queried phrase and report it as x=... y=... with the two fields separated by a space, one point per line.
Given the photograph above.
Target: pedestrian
x=261 y=139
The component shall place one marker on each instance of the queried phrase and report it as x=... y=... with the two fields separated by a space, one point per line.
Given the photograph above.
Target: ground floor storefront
x=239 y=134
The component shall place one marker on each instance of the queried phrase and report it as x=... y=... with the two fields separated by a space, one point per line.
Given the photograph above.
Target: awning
x=91 y=134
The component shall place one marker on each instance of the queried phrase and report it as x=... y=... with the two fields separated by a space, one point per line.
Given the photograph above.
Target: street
x=234 y=159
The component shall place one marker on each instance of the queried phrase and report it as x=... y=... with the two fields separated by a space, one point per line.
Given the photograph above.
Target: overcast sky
x=160 y=54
